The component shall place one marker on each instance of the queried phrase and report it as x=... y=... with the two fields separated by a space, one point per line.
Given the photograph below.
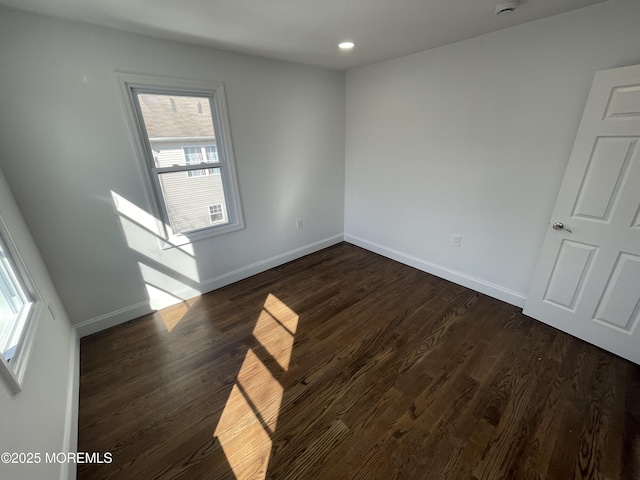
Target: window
x=195 y=156
x=18 y=302
x=14 y=303
x=182 y=134
x=216 y=213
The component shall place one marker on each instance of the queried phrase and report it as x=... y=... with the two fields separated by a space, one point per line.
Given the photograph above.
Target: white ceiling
x=305 y=31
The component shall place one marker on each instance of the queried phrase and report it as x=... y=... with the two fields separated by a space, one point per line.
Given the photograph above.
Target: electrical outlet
x=455 y=240
x=299 y=223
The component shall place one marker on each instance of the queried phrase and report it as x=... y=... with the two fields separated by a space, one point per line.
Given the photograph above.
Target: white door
x=587 y=280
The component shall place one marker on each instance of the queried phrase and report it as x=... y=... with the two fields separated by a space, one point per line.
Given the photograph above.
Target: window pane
x=203 y=173
x=172 y=123
x=216 y=214
x=187 y=199
x=12 y=300
x=193 y=155
x=197 y=155
x=211 y=152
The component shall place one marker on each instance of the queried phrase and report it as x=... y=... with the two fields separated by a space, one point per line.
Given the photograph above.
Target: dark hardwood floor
x=347 y=365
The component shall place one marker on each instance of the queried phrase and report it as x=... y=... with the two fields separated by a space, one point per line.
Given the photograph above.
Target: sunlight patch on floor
x=172 y=314
x=250 y=416
x=245 y=442
x=275 y=330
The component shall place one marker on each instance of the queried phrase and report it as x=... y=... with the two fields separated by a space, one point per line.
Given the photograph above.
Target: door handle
x=560 y=226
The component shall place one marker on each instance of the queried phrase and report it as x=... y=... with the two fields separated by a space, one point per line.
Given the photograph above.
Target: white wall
x=66 y=148
x=473 y=139
x=38 y=419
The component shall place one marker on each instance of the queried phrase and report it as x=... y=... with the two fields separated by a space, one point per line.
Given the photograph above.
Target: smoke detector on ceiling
x=505 y=8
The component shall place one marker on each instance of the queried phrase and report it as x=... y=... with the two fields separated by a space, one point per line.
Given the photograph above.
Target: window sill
x=197 y=235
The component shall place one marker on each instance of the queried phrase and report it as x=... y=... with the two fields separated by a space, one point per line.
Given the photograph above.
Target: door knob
x=560 y=226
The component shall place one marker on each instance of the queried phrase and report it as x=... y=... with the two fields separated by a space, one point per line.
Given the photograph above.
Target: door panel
x=587 y=280
x=624 y=102
x=568 y=274
x=620 y=303
x=605 y=173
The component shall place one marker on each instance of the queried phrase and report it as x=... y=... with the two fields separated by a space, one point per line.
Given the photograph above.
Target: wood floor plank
x=630 y=455
x=347 y=365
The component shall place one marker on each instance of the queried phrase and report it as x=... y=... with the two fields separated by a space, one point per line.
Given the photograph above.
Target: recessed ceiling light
x=346 y=45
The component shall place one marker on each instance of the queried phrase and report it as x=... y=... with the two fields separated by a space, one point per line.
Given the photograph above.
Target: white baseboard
x=263 y=265
x=125 y=314
x=70 y=439
x=111 y=319
x=474 y=283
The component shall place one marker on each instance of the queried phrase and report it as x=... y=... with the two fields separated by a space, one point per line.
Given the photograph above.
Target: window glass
x=187 y=204
x=182 y=133
x=13 y=303
x=216 y=213
x=19 y=310
x=195 y=156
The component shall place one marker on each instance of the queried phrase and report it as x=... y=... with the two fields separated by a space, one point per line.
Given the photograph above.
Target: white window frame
x=22 y=332
x=130 y=86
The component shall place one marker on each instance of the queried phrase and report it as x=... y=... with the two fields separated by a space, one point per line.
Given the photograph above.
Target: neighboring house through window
x=182 y=127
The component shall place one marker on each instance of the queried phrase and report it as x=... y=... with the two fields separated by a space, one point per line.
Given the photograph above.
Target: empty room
x=320 y=239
